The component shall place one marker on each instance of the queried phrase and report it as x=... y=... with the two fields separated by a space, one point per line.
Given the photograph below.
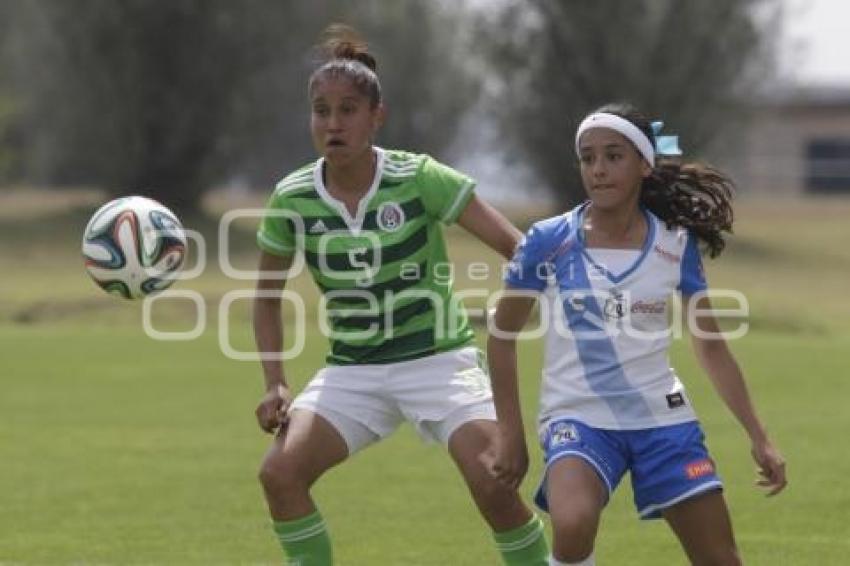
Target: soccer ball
x=134 y=246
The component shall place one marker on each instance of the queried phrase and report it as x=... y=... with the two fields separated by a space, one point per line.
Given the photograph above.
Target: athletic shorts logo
x=390 y=216
x=562 y=433
x=699 y=469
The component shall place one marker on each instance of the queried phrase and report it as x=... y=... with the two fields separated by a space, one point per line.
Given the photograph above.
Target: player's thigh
x=704 y=528
x=585 y=463
x=576 y=496
x=309 y=446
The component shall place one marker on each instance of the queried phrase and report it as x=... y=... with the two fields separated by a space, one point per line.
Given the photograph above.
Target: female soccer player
x=367 y=220
x=610 y=402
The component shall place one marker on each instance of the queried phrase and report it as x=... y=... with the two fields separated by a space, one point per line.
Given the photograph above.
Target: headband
x=666 y=145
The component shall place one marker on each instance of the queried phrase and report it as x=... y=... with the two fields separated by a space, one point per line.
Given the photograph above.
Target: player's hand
x=272 y=411
x=771 y=467
x=509 y=462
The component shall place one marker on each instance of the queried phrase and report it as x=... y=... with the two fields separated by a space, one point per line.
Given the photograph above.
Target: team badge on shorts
x=390 y=216
x=562 y=433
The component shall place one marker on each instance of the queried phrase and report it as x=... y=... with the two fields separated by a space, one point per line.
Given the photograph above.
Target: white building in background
x=796 y=142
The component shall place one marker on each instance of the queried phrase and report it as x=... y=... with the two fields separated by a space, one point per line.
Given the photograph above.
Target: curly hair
x=695 y=196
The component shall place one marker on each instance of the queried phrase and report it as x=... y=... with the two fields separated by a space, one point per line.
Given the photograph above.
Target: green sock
x=305 y=541
x=525 y=545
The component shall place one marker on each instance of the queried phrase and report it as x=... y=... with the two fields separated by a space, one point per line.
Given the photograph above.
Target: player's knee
x=280 y=477
x=574 y=533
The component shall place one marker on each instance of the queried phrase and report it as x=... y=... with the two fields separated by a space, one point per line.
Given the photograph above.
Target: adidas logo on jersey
x=318 y=228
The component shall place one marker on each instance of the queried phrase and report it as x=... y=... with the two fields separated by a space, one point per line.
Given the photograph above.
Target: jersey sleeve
x=692 y=278
x=445 y=192
x=276 y=234
x=527 y=269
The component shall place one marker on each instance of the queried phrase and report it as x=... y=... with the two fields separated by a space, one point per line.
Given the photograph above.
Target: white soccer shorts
x=436 y=393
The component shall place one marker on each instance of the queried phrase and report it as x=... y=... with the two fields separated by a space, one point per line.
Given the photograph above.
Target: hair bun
x=343 y=42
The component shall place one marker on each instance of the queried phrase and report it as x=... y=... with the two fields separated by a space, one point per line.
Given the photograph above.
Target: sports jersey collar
x=647 y=244
x=354 y=223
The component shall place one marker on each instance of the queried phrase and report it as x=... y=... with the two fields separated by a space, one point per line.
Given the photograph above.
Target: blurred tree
x=9 y=141
x=132 y=95
x=688 y=63
x=420 y=45
x=9 y=108
x=166 y=98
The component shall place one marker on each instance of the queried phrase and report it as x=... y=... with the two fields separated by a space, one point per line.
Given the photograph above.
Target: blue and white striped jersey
x=609 y=330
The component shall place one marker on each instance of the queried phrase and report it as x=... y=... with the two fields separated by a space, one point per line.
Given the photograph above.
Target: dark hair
x=695 y=196
x=346 y=54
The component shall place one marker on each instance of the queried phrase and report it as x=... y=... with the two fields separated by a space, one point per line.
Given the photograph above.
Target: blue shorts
x=668 y=464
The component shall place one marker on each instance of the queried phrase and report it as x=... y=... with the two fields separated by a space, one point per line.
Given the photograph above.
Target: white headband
x=621 y=126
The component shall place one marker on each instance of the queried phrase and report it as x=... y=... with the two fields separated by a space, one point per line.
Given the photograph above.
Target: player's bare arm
x=490 y=226
x=510 y=464
x=717 y=360
x=268 y=333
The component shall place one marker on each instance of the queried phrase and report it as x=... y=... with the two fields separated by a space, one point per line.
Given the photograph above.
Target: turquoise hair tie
x=665 y=145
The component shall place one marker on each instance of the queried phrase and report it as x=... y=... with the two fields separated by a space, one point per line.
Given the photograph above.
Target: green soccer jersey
x=384 y=272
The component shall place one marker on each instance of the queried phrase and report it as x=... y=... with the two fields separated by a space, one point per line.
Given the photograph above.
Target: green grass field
x=119 y=449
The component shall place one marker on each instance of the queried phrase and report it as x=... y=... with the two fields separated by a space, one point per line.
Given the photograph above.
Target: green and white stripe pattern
x=303 y=534
x=525 y=545
x=383 y=270
x=305 y=541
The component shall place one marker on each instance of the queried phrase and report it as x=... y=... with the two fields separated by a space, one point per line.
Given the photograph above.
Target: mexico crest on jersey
x=390 y=216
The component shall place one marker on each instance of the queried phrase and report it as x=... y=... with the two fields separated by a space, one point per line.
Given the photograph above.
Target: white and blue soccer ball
x=134 y=246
